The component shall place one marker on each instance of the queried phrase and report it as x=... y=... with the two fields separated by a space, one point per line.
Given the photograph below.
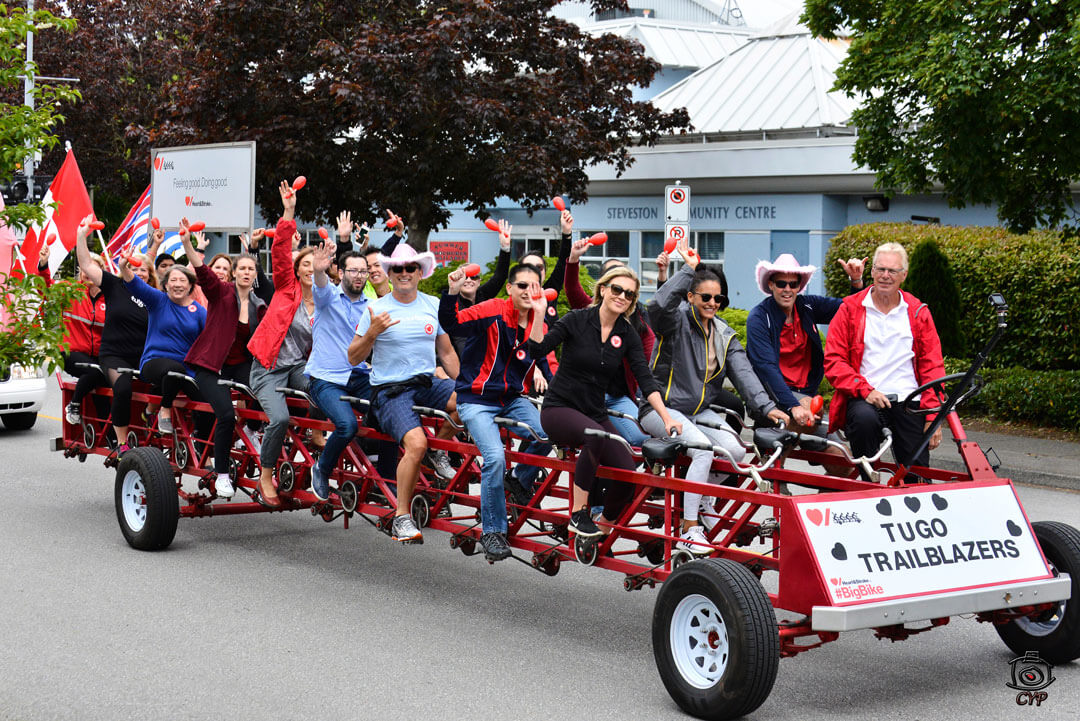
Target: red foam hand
x=299 y=183
x=392 y=220
x=669 y=245
x=269 y=232
x=492 y=224
x=155 y=223
x=817 y=404
x=50 y=239
x=197 y=226
x=132 y=261
x=323 y=234
x=551 y=294
x=559 y=203
x=598 y=239
x=96 y=225
x=471 y=270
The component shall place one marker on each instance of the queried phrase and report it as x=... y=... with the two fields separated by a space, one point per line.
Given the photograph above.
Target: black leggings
x=88 y=378
x=220 y=398
x=566 y=427
x=156 y=372
x=121 y=387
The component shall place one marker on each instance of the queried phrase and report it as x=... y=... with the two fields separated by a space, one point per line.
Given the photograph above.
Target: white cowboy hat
x=404 y=254
x=786 y=263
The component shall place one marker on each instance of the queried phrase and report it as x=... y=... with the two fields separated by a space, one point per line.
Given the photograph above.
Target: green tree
x=930 y=279
x=979 y=97
x=32 y=314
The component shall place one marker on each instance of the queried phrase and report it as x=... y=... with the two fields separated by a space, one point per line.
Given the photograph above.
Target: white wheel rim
x=133 y=501
x=1047 y=622
x=699 y=641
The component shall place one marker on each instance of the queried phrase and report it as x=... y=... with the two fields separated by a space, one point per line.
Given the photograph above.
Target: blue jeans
x=479 y=420
x=627 y=429
x=328 y=396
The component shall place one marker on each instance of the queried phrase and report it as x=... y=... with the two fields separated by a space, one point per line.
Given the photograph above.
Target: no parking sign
x=677 y=203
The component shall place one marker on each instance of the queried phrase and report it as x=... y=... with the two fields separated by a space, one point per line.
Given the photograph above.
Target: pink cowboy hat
x=404 y=254
x=786 y=263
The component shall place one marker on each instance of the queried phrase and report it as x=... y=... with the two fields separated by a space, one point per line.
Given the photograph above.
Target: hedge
x=1038 y=273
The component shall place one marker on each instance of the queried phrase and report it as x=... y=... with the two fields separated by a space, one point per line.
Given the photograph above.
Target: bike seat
x=662 y=450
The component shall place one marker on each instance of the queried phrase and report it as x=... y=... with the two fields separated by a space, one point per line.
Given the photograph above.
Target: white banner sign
x=915 y=543
x=211 y=183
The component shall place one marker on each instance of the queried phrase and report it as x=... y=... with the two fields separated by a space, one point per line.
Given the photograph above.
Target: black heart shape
x=1014 y=530
x=939 y=503
x=839 y=552
x=913 y=503
x=884 y=508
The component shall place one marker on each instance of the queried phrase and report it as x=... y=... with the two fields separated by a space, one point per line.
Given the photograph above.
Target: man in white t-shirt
x=401 y=333
x=882 y=345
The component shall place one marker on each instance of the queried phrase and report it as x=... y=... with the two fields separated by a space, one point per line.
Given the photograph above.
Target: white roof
x=676 y=45
x=777 y=81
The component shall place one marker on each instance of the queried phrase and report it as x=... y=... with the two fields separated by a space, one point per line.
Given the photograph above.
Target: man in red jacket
x=882 y=345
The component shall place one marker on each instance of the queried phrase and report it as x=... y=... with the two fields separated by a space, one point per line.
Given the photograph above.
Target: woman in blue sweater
x=174 y=322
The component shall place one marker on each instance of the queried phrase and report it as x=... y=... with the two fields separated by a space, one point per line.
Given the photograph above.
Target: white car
x=22 y=393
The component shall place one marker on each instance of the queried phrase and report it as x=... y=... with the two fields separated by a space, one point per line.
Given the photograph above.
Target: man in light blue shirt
x=402 y=334
x=337 y=311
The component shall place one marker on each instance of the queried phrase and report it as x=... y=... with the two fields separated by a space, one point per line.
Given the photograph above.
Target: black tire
x=144 y=475
x=1055 y=634
x=19 y=421
x=702 y=604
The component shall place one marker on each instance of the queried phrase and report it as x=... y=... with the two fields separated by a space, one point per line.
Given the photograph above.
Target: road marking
x=51 y=418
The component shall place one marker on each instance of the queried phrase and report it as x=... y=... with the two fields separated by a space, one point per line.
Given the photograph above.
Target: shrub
x=1045 y=398
x=1038 y=273
x=930 y=279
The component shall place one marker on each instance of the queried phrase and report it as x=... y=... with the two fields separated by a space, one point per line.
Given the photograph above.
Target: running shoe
x=253 y=437
x=518 y=494
x=73 y=414
x=403 y=529
x=694 y=540
x=582 y=524
x=440 y=461
x=320 y=485
x=223 y=486
x=164 y=423
x=495 y=546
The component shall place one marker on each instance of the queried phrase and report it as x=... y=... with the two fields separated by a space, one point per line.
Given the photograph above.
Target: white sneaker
x=254 y=437
x=223 y=486
x=694 y=540
x=73 y=414
x=706 y=513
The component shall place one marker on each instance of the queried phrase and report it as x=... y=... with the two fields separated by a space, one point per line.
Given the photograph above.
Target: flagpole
x=105 y=252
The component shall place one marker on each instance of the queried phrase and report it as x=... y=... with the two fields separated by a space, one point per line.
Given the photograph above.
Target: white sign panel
x=915 y=543
x=676 y=231
x=677 y=203
x=211 y=183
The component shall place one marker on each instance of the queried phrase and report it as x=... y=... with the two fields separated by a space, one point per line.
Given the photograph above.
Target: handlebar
x=425 y=411
x=293 y=393
x=612 y=436
x=362 y=402
x=236 y=386
x=184 y=377
x=90 y=367
x=509 y=423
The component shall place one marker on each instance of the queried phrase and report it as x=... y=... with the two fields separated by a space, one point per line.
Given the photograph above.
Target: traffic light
x=17 y=190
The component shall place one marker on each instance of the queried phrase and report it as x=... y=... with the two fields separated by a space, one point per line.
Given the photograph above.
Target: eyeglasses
x=781 y=284
x=888 y=271
x=354 y=271
x=617 y=290
x=708 y=297
x=521 y=286
x=410 y=268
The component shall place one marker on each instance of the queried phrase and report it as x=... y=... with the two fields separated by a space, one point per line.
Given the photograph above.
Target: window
x=709 y=244
x=617 y=247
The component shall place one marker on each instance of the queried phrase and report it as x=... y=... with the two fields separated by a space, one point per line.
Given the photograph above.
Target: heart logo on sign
x=884 y=508
x=429 y=329
x=815 y=516
x=835 y=581
x=616 y=341
x=939 y=503
x=913 y=503
x=839 y=552
x=1014 y=530
x=158 y=162
x=188 y=199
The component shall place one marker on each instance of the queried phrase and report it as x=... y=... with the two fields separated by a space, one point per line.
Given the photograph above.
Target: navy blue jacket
x=763 y=327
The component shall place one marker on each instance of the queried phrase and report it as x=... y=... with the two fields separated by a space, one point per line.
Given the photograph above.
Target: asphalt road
x=286 y=617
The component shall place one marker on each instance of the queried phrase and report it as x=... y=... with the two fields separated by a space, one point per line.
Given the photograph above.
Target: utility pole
x=28 y=100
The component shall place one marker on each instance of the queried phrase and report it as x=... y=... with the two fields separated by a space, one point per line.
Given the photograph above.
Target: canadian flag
x=73 y=204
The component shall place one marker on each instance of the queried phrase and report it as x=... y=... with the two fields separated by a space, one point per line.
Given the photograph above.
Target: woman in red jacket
x=282 y=342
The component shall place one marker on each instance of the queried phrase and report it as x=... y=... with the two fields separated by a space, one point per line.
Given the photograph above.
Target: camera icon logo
x=1030 y=672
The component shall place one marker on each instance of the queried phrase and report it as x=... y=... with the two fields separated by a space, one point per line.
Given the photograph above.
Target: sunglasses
x=707 y=297
x=410 y=268
x=781 y=284
x=617 y=290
